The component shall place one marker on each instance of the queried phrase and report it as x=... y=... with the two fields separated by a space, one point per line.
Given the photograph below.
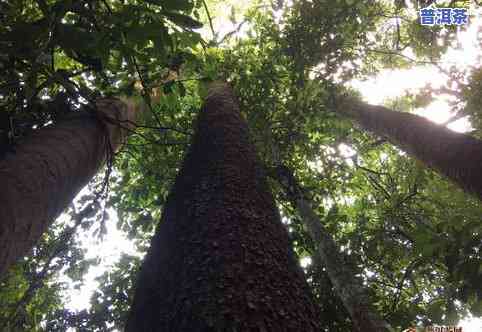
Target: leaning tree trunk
x=347 y=286
x=220 y=259
x=47 y=169
x=454 y=155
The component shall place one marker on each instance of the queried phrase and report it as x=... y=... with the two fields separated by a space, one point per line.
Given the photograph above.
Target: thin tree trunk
x=347 y=286
x=454 y=155
x=220 y=259
x=48 y=169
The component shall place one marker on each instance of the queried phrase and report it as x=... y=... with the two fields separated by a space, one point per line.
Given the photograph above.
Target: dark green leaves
x=184 y=5
x=183 y=20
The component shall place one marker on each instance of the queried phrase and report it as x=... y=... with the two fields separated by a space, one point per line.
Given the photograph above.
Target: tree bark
x=454 y=155
x=347 y=286
x=220 y=259
x=48 y=169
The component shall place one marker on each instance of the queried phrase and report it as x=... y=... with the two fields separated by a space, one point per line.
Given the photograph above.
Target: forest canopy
x=381 y=205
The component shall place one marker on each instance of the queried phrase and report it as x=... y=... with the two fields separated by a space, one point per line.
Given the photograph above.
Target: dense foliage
x=413 y=237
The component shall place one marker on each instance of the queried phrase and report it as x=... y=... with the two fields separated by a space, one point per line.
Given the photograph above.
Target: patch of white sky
x=227 y=18
x=389 y=84
x=107 y=252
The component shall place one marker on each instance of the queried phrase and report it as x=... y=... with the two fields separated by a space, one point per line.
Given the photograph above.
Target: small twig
x=144 y=91
x=209 y=19
x=118 y=122
x=54 y=78
x=431 y=62
x=370 y=170
x=229 y=34
x=166 y=128
x=158 y=142
x=406 y=275
x=107 y=6
x=379 y=186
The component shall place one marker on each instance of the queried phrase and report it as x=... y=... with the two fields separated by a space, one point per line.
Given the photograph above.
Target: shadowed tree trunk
x=220 y=259
x=347 y=286
x=454 y=155
x=48 y=169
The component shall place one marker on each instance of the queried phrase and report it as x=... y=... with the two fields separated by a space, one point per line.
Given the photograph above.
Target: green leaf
x=183 y=20
x=182 y=89
x=71 y=37
x=185 y=5
x=167 y=87
x=162 y=41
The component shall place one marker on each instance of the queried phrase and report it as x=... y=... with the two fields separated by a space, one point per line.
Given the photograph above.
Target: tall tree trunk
x=220 y=259
x=454 y=155
x=48 y=169
x=347 y=286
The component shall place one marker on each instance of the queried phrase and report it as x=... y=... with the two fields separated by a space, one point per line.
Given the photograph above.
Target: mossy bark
x=221 y=259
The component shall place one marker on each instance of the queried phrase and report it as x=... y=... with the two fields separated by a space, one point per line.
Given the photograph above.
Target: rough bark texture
x=221 y=259
x=347 y=286
x=454 y=155
x=45 y=173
